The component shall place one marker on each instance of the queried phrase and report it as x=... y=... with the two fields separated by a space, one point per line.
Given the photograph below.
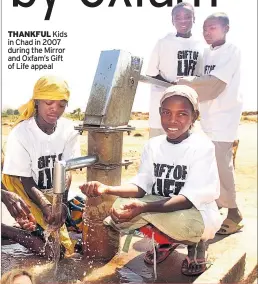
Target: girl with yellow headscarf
x=39 y=138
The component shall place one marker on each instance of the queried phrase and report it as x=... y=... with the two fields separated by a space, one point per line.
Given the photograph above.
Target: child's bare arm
x=34 y=193
x=137 y=207
x=159 y=77
x=42 y=202
x=128 y=190
x=178 y=202
x=208 y=87
x=95 y=188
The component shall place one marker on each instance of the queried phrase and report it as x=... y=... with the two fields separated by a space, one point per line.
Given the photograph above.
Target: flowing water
x=52 y=240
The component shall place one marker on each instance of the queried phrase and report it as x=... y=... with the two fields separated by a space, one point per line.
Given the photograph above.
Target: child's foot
x=232 y=223
x=235 y=215
x=196 y=262
x=162 y=252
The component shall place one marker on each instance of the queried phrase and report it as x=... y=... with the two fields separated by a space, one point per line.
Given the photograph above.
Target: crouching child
x=174 y=192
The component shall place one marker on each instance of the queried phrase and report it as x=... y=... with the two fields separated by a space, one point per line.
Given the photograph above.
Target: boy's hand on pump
x=128 y=211
x=93 y=189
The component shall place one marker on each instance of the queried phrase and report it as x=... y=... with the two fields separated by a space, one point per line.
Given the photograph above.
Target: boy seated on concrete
x=176 y=187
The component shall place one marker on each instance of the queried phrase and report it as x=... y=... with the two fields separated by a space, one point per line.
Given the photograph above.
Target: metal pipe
x=153 y=81
x=57 y=206
x=59 y=177
x=81 y=162
x=61 y=167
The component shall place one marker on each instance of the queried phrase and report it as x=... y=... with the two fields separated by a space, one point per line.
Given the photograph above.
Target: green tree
x=9 y=111
x=77 y=113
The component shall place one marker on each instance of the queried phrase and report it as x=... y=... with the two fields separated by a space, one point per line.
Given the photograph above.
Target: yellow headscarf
x=46 y=88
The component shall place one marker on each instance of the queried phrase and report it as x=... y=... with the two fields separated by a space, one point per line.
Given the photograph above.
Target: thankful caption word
x=35 y=50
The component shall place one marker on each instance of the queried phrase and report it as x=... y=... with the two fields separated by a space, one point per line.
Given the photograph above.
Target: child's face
x=214 y=31
x=177 y=116
x=182 y=19
x=51 y=110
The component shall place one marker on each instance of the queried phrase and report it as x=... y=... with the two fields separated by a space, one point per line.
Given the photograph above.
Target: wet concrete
x=124 y=267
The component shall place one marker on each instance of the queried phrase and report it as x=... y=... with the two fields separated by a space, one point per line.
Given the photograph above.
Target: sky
x=133 y=29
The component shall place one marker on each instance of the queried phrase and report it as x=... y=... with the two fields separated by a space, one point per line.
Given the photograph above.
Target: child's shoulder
x=66 y=122
x=230 y=44
x=232 y=48
x=66 y=125
x=172 y=37
x=200 y=141
x=167 y=37
x=23 y=126
x=195 y=141
x=227 y=47
x=156 y=141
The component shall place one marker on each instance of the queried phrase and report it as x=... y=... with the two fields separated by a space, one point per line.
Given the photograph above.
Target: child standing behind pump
x=174 y=55
x=176 y=186
x=220 y=108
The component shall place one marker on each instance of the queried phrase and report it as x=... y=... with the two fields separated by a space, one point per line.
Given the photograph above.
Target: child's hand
x=27 y=223
x=93 y=188
x=53 y=219
x=15 y=204
x=127 y=211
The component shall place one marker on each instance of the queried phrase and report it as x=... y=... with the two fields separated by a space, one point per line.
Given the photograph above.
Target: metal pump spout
x=60 y=168
x=81 y=162
x=59 y=177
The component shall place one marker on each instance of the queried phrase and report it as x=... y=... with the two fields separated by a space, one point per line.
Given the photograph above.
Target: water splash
x=52 y=240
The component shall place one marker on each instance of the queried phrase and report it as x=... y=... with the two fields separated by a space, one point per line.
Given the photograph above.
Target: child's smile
x=177 y=117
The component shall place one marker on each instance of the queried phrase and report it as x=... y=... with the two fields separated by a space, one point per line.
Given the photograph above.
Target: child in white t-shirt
x=220 y=108
x=174 y=55
x=39 y=138
x=176 y=186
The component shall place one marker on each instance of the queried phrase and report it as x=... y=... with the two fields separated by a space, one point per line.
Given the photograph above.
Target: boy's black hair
x=222 y=17
x=182 y=4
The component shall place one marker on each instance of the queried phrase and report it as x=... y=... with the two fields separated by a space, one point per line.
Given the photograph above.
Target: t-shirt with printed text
x=31 y=153
x=188 y=168
x=220 y=117
x=171 y=58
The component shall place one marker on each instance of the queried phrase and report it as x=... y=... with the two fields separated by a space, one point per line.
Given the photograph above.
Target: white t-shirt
x=188 y=168
x=31 y=153
x=220 y=117
x=172 y=57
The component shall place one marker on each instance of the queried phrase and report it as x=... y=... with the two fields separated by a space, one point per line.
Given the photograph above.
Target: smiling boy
x=220 y=108
x=175 y=188
x=177 y=54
